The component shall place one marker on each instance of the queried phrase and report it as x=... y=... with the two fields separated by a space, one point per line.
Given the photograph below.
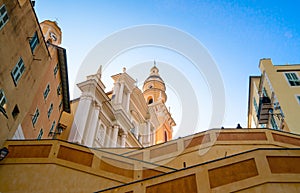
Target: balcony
x=263 y=110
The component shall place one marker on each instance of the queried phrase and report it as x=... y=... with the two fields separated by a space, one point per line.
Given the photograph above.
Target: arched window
x=150 y=101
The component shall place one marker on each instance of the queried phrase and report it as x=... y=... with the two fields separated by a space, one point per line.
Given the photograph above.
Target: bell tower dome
x=154 y=88
x=51 y=32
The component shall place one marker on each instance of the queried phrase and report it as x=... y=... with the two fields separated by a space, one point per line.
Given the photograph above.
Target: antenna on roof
x=154 y=63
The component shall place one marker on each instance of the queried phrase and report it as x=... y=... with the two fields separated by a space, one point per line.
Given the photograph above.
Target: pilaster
x=89 y=135
x=80 y=118
x=115 y=135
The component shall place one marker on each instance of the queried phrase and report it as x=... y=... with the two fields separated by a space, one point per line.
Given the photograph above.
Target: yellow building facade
x=227 y=160
x=52 y=98
x=28 y=93
x=21 y=71
x=274 y=97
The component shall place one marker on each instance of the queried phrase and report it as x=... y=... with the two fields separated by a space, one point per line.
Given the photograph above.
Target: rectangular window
x=59 y=89
x=52 y=127
x=35 y=116
x=292 y=79
x=46 y=92
x=255 y=105
x=298 y=98
x=3 y=16
x=2 y=99
x=55 y=69
x=18 y=71
x=34 y=41
x=60 y=105
x=40 y=134
x=50 y=110
x=3 y=103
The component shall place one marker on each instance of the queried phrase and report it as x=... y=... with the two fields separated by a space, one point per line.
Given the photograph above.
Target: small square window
x=34 y=42
x=292 y=78
x=18 y=71
x=3 y=16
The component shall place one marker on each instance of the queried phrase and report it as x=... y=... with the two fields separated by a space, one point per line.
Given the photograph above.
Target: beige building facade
x=274 y=97
x=29 y=103
x=52 y=97
x=227 y=160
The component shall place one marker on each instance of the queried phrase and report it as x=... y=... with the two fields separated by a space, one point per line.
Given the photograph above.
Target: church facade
x=118 y=123
x=124 y=117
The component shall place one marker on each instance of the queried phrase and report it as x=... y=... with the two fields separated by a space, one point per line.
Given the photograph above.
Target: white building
x=122 y=117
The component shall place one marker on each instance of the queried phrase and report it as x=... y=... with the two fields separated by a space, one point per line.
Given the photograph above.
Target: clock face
x=53 y=36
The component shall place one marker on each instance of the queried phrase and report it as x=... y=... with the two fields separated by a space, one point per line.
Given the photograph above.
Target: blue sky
x=236 y=34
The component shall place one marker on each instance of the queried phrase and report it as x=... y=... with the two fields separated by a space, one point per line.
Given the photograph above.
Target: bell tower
x=52 y=32
x=154 y=91
x=154 y=88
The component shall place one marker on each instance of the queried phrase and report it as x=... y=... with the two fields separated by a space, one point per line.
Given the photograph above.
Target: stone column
x=148 y=135
x=123 y=139
x=80 y=118
x=115 y=135
x=89 y=135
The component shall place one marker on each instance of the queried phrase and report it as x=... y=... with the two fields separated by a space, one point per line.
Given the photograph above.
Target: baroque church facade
x=124 y=117
x=217 y=160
